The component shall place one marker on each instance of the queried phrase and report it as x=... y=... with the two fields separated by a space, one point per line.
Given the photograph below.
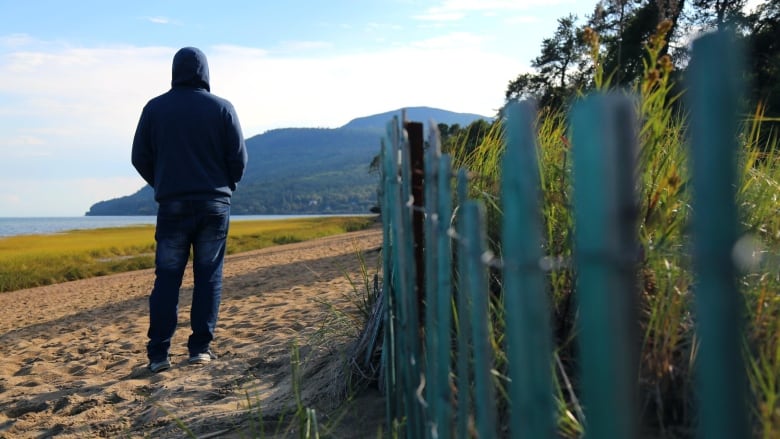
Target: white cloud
x=158 y=20
x=452 y=10
x=521 y=19
x=435 y=14
x=11 y=199
x=461 y=40
x=33 y=197
x=238 y=52
x=374 y=26
x=70 y=108
x=15 y=40
x=161 y=20
x=22 y=141
x=303 y=46
x=751 y=5
x=282 y=92
x=79 y=97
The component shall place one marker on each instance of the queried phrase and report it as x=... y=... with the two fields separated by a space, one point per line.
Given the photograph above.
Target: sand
x=73 y=359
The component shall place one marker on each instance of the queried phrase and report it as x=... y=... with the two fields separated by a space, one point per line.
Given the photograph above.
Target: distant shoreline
x=34 y=260
x=18 y=226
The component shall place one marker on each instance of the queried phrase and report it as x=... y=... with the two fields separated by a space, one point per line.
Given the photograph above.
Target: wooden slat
x=605 y=254
x=432 y=369
x=476 y=282
x=714 y=95
x=407 y=294
x=526 y=302
x=443 y=356
x=464 y=314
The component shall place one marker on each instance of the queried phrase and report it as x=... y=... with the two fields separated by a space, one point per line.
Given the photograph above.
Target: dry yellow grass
x=34 y=260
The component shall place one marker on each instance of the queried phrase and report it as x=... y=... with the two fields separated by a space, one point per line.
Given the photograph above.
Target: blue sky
x=74 y=75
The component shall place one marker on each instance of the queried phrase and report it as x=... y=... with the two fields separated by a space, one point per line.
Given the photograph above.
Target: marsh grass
x=668 y=342
x=35 y=260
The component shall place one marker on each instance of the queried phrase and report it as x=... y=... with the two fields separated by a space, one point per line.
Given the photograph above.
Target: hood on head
x=190 y=68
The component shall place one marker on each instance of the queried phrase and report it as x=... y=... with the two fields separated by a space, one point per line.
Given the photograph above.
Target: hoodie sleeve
x=235 y=147
x=143 y=155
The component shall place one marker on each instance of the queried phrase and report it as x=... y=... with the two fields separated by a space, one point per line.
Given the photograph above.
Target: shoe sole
x=159 y=368
x=199 y=360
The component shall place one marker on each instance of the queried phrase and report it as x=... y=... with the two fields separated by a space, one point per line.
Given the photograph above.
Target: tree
x=624 y=27
x=564 y=66
x=526 y=86
x=560 y=53
x=448 y=134
x=559 y=67
x=610 y=20
x=763 y=44
x=717 y=14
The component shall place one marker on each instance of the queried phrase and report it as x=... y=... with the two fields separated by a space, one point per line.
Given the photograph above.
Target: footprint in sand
x=24 y=407
x=117 y=363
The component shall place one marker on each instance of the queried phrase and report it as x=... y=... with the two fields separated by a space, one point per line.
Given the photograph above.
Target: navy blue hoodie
x=188 y=144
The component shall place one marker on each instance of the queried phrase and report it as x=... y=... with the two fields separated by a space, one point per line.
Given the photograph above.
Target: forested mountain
x=419 y=114
x=304 y=170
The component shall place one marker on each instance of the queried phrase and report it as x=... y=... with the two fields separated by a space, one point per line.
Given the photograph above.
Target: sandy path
x=72 y=355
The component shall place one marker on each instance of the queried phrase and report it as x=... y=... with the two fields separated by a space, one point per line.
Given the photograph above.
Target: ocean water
x=41 y=226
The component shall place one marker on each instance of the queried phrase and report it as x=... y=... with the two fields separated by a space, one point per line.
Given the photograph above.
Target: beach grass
x=35 y=260
x=669 y=345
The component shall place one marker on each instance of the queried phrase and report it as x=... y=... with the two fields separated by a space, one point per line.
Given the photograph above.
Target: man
x=189 y=147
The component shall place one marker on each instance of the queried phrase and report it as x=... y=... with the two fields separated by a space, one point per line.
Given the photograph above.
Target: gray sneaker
x=159 y=366
x=202 y=358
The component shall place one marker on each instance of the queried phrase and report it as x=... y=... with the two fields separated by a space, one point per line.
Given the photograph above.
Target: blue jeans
x=181 y=225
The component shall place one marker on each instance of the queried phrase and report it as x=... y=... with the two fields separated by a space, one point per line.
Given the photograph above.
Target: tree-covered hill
x=309 y=170
x=419 y=114
x=304 y=170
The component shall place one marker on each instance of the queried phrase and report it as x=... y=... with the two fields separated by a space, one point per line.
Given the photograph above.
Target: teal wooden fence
x=439 y=368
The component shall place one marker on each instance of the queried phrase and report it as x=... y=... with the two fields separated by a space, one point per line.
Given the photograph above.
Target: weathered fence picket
x=473 y=251
x=406 y=328
x=442 y=408
x=440 y=377
x=528 y=334
x=605 y=253
x=391 y=346
x=714 y=101
x=463 y=308
x=431 y=202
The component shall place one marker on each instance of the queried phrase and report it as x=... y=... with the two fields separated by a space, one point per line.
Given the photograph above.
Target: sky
x=74 y=75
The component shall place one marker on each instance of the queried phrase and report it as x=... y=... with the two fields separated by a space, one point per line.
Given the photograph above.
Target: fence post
x=714 y=96
x=414 y=131
x=432 y=369
x=409 y=317
x=605 y=253
x=528 y=331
